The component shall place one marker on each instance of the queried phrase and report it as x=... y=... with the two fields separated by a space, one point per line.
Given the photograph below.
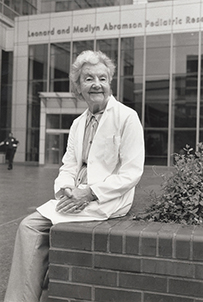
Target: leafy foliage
x=181 y=200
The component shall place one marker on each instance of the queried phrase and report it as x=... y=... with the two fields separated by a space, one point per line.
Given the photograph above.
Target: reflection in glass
x=156 y=104
x=52 y=148
x=56 y=143
x=80 y=46
x=32 y=148
x=60 y=121
x=185 y=79
x=33 y=103
x=68 y=5
x=53 y=121
x=59 y=67
x=184 y=85
x=156 y=147
x=185 y=106
x=6 y=93
x=201 y=93
x=33 y=90
x=38 y=62
x=67 y=120
x=157 y=98
x=131 y=93
x=110 y=48
x=182 y=137
x=37 y=82
x=131 y=71
x=158 y=55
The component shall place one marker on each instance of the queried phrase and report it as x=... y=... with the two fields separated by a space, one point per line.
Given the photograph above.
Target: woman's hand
x=74 y=201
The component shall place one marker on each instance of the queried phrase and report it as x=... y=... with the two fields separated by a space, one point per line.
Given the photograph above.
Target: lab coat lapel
x=105 y=114
x=80 y=136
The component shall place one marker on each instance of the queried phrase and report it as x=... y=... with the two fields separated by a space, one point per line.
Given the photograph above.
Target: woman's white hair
x=91 y=57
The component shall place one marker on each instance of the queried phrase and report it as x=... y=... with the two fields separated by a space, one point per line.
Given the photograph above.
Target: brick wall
x=123 y=260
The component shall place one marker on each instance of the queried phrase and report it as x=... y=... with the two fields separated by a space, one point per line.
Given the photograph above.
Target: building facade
x=156 y=46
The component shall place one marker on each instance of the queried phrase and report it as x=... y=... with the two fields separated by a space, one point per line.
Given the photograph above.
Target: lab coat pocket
x=111 y=152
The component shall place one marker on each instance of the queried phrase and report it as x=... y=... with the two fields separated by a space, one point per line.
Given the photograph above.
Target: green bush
x=181 y=198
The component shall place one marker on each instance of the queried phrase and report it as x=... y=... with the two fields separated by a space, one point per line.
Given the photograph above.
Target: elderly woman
x=101 y=167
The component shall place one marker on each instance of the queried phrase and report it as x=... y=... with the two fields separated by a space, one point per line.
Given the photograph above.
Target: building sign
x=132 y=20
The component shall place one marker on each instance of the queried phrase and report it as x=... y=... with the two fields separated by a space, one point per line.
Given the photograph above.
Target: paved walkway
x=26 y=187
x=21 y=190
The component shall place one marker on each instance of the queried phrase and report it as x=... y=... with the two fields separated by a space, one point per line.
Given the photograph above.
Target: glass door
x=52 y=148
x=56 y=144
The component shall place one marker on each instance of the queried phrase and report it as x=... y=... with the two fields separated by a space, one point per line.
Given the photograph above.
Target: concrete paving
x=21 y=191
x=26 y=187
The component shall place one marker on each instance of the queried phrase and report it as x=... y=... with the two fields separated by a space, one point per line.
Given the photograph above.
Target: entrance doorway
x=57 y=113
x=55 y=147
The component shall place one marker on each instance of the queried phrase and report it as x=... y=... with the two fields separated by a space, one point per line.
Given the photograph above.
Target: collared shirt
x=91 y=126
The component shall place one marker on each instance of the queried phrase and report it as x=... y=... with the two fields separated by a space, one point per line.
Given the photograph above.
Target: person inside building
x=102 y=165
x=11 y=144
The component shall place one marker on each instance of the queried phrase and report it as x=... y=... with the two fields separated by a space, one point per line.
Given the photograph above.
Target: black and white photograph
x=101 y=150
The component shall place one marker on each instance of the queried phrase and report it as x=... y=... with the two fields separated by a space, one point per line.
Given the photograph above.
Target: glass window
x=18 y=6
x=67 y=5
x=38 y=62
x=80 y=46
x=156 y=104
x=52 y=148
x=156 y=146
x=110 y=48
x=13 y=8
x=6 y=93
x=3 y=134
x=201 y=92
x=56 y=143
x=29 y=7
x=67 y=120
x=7 y=67
x=37 y=82
x=59 y=67
x=125 y=2
x=9 y=3
x=57 y=121
x=5 y=115
x=157 y=97
x=53 y=121
x=158 y=55
x=185 y=74
x=131 y=71
x=34 y=88
x=48 y=6
x=8 y=12
x=32 y=150
x=181 y=138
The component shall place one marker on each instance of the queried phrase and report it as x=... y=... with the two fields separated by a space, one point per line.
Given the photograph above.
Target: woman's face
x=95 y=86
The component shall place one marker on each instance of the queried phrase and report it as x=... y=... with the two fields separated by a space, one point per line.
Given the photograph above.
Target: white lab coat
x=115 y=162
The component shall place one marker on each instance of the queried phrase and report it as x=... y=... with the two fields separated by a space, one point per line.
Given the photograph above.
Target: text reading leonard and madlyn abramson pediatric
x=88 y=28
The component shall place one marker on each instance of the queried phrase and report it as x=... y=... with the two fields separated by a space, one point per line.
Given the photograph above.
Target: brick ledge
x=126 y=260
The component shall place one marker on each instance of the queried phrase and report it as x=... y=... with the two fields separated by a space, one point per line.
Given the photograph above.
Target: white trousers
x=30 y=260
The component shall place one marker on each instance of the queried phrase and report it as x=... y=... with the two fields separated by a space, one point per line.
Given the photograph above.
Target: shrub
x=181 y=198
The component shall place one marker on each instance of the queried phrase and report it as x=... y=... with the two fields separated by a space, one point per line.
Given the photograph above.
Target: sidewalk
x=22 y=189
x=26 y=187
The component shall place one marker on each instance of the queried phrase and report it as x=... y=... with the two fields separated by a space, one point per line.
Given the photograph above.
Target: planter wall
x=123 y=260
